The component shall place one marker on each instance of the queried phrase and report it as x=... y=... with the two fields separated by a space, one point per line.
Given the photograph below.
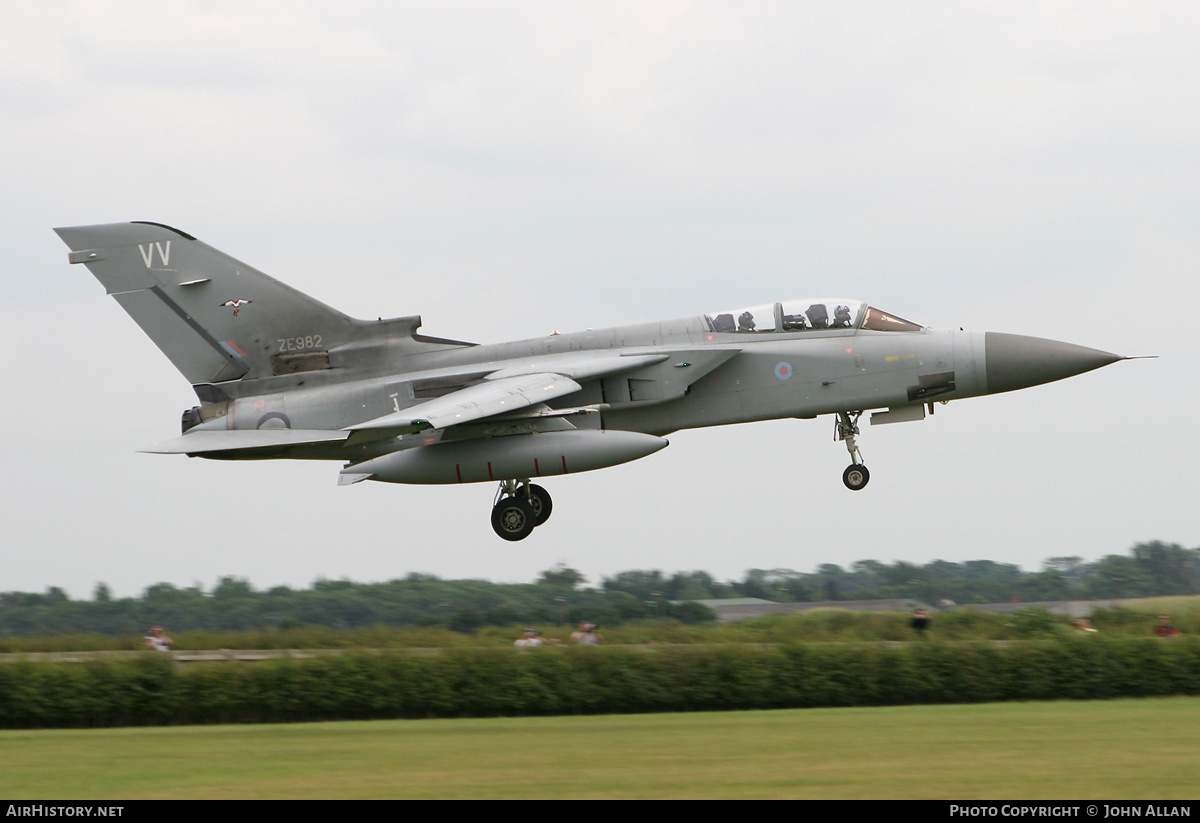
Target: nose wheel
x=856 y=475
x=519 y=508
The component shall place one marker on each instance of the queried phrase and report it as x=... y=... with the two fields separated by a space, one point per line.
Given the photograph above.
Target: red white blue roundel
x=783 y=371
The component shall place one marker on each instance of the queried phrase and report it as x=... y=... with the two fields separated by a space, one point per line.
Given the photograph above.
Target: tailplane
x=214 y=317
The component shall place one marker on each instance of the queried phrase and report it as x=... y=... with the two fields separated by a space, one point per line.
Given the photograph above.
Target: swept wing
x=485 y=399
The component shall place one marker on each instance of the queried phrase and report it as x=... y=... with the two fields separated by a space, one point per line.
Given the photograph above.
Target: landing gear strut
x=856 y=475
x=520 y=506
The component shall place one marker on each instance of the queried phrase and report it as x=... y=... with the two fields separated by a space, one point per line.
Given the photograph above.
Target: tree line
x=559 y=596
x=1151 y=569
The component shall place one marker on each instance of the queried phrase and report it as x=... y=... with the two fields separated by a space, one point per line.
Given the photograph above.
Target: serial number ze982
x=309 y=341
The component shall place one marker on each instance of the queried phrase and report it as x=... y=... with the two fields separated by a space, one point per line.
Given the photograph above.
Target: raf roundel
x=783 y=371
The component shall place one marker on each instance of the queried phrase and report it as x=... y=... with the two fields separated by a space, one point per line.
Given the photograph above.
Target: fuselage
x=281 y=375
x=709 y=378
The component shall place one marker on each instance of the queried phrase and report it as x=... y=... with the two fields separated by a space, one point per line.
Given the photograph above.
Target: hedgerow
x=150 y=689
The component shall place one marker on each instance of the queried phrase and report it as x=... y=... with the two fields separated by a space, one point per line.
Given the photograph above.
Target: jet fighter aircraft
x=280 y=375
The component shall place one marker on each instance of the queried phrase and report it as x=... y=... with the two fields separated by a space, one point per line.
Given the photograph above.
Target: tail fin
x=214 y=317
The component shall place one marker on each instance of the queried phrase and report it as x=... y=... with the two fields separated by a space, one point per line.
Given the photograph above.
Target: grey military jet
x=280 y=375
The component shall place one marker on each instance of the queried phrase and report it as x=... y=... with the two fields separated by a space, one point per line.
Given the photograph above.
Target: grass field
x=1120 y=749
x=1175 y=606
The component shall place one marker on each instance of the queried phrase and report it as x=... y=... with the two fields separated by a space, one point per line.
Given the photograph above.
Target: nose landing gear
x=520 y=507
x=856 y=475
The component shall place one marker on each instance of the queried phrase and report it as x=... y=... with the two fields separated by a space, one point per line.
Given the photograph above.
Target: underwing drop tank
x=502 y=458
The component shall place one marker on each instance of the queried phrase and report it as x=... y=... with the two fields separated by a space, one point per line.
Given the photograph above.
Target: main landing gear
x=520 y=507
x=856 y=475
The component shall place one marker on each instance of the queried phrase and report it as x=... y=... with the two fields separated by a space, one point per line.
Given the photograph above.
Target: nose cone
x=1015 y=361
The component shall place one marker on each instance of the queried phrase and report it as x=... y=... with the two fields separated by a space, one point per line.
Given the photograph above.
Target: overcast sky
x=508 y=169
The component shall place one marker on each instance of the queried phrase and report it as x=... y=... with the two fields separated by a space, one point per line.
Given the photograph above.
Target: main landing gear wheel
x=855 y=477
x=513 y=518
x=539 y=499
x=519 y=507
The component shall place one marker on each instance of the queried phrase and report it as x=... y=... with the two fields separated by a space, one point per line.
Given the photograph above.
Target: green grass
x=1176 y=606
x=1121 y=749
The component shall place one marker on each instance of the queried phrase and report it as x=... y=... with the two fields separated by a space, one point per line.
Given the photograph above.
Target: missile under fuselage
x=545 y=454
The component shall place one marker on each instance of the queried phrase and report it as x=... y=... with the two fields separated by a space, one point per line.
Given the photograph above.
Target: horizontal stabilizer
x=233 y=440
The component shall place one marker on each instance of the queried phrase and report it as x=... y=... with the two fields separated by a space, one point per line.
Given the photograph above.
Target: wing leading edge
x=485 y=399
x=509 y=389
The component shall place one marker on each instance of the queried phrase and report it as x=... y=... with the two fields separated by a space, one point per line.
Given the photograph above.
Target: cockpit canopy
x=807 y=316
